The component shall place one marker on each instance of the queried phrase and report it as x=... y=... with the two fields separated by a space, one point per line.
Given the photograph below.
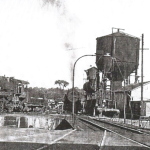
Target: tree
x=62 y=83
x=58 y=82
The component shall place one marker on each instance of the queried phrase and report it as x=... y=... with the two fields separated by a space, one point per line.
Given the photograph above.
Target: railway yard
x=110 y=112
x=83 y=133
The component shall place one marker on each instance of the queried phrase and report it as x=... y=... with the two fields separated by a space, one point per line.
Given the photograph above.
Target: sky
x=41 y=39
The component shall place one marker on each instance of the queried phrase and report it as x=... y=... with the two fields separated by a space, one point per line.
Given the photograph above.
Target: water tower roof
x=119 y=34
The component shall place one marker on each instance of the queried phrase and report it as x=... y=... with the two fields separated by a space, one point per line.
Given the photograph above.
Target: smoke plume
x=67 y=24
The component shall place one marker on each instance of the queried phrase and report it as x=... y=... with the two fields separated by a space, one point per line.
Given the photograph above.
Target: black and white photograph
x=74 y=75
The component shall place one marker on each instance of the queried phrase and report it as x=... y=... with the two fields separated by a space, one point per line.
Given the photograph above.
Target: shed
x=136 y=98
x=130 y=96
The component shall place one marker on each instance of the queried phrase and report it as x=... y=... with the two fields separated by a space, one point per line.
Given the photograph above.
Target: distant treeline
x=51 y=93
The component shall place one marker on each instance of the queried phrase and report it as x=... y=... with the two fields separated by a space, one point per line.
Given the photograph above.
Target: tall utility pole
x=142 y=112
x=73 y=78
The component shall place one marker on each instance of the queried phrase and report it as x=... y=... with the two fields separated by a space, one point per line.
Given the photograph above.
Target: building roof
x=91 y=68
x=22 y=81
x=132 y=86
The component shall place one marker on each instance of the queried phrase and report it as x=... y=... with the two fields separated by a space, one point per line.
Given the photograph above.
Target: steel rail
x=120 y=126
x=105 y=128
x=87 y=124
x=132 y=129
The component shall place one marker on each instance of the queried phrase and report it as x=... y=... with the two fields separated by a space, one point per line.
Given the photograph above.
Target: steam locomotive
x=68 y=105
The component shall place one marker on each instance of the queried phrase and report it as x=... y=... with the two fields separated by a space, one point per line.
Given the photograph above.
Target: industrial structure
x=117 y=57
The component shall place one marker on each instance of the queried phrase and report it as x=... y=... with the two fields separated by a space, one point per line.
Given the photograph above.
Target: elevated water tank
x=124 y=49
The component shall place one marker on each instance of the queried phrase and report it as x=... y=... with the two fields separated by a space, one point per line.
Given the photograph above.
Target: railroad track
x=87 y=126
x=129 y=128
x=139 y=138
x=134 y=135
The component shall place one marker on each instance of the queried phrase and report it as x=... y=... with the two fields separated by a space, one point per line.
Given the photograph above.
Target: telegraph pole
x=142 y=113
